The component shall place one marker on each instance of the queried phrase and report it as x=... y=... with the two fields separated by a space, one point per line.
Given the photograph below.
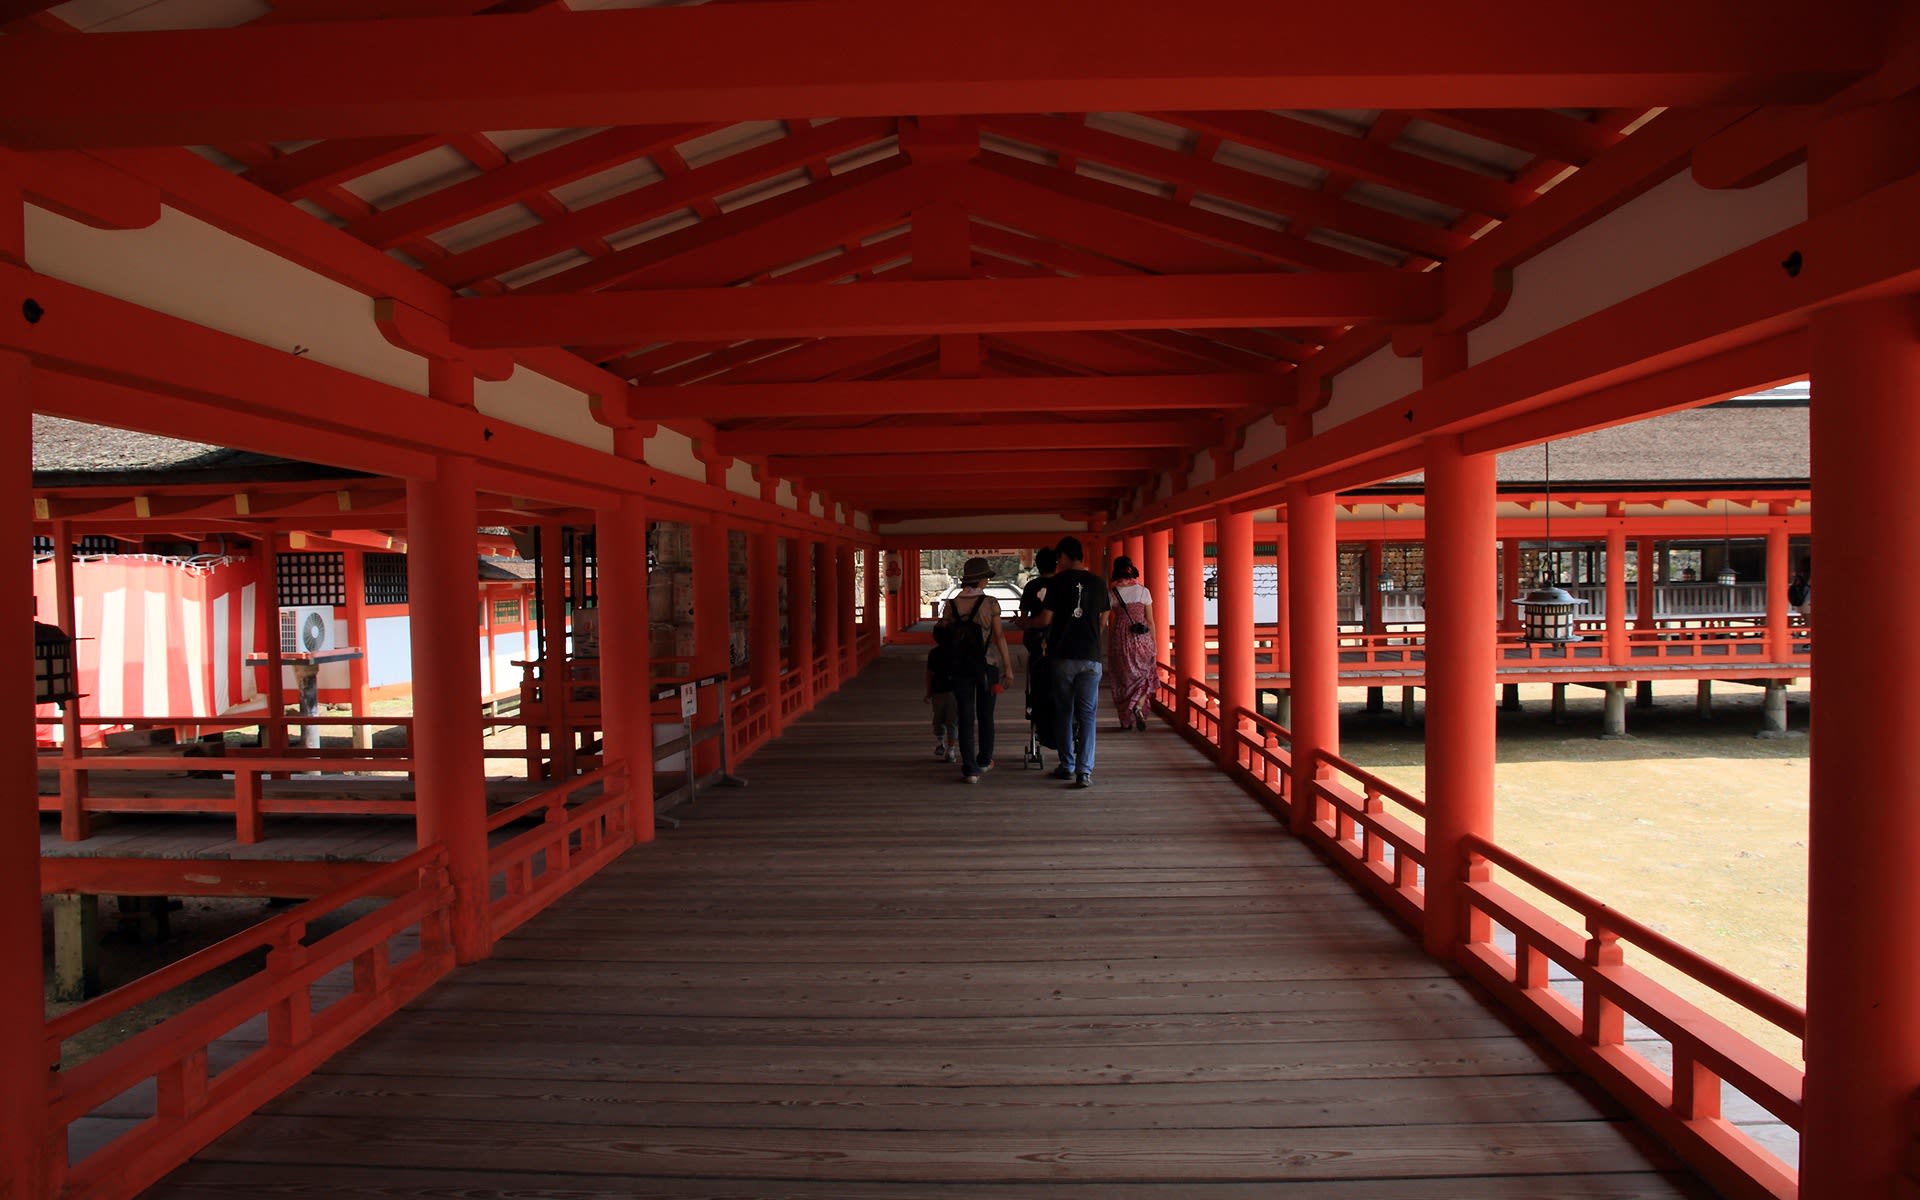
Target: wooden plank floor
x=859 y=978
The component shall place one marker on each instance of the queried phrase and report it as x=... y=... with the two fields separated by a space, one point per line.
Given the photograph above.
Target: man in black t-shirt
x=1074 y=616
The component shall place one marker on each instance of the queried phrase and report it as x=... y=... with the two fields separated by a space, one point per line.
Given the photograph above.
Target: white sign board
x=689 y=699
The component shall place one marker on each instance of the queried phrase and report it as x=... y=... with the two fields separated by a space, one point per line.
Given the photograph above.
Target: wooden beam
x=880 y=439
x=869 y=58
x=950 y=306
x=721 y=402
x=830 y=466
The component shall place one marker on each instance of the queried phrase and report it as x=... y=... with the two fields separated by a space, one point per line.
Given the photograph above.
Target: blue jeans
x=1076 y=707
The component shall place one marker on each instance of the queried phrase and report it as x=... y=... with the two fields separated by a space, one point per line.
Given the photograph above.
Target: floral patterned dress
x=1131 y=656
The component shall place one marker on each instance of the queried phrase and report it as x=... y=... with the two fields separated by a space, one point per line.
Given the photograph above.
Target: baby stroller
x=1040 y=710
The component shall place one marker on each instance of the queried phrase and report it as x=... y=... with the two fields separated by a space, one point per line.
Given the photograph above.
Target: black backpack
x=1799 y=590
x=969 y=641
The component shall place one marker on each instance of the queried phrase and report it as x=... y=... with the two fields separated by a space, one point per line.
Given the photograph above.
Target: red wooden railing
x=793 y=696
x=195 y=1099
x=1681 y=1103
x=1381 y=848
x=750 y=721
x=577 y=836
x=1376 y=832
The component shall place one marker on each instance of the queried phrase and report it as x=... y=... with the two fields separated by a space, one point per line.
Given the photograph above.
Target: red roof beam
x=1230 y=183
x=880 y=439
x=1061 y=205
x=676 y=192
x=514 y=182
x=1539 y=132
x=949 y=306
x=1014 y=462
x=864 y=58
x=1361 y=158
x=1098 y=394
x=314 y=169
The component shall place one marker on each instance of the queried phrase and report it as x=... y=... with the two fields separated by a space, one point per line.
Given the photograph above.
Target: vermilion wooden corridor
x=857 y=978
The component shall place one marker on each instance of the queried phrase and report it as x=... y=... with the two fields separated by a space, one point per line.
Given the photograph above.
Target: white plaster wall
x=189 y=269
x=1264 y=437
x=863 y=522
x=815 y=507
x=784 y=496
x=1200 y=471
x=1378 y=379
x=672 y=451
x=536 y=402
x=740 y=479
x=1674 y=228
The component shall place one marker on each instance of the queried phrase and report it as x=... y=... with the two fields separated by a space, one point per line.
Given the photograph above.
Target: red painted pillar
x=870 y=596
x=800 y=615
x=1510 y=589
x=1189 y=600
x=827 y=628
x=1643 y=615
x=1460 y=675
x=1155 y=573
x=1313 y=563
x=763 y=621
x=1617 y=590
x=28 y=1160
x=1235 y=534
x=74 y=823
x=356 y=584
x=843 y=611
x=553 y=647
x=1863 y=902
x=1282 y=600
x=274 y=693
x=626 y=675
x=450 y=804
x=712 y=625
x=1136 y=549
x=1372 y=603
x=1779 y=575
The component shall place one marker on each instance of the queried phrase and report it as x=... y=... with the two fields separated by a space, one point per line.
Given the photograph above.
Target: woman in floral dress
x=1131 y=649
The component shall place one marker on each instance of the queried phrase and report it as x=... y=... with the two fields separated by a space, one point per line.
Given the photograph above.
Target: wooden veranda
x=854 y=978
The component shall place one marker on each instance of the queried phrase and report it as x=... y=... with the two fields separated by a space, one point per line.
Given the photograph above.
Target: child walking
x=946 y=711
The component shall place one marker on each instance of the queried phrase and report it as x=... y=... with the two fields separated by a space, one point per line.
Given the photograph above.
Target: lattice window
x=506 y=612
x=313 y=578
x=42 y=544
x=386 y=578
x=95 y=543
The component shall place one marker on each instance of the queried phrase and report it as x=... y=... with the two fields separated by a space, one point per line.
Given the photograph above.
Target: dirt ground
x=1696 y=828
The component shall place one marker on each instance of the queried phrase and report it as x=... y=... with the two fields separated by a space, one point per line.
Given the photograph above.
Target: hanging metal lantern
x=1547 y=614
x=1385 y=583
x=1212 y=586
x=1727 y=576
x=52 y=665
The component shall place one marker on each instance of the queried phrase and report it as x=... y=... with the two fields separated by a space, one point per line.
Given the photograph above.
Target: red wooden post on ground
x=1863 y=894
x=553 y=647
x=1779 y=576
x=1460 y=673
x=1643 y=614
x=450 y=804
x=1155 y=579
x=1617 y=591
x=827 y=629
x=1372 y=601
x=626 y=675
x=1510 y=589
x=1283 y=617
x=712 y=622
x=1189 y=598
x=1234 y=531
x=763 y=621
x=27 y=1153
x=274 y=694
x=870 y=596
x=356 y=585
x=1313 y=563
x=849 y=631
x=74 y=824
x=1136 y=549
x=800 y=615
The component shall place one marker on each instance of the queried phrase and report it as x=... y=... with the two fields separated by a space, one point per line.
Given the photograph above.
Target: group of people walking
x=1076 y=629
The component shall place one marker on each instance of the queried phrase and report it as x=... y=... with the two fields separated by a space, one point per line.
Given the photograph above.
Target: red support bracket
x=447 y=360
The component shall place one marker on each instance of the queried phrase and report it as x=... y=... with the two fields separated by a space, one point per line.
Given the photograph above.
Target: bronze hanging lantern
x=1547 y=612
x=1212 y=586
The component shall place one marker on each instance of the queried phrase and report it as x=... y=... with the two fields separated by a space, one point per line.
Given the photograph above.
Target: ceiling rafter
x=654 y=201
